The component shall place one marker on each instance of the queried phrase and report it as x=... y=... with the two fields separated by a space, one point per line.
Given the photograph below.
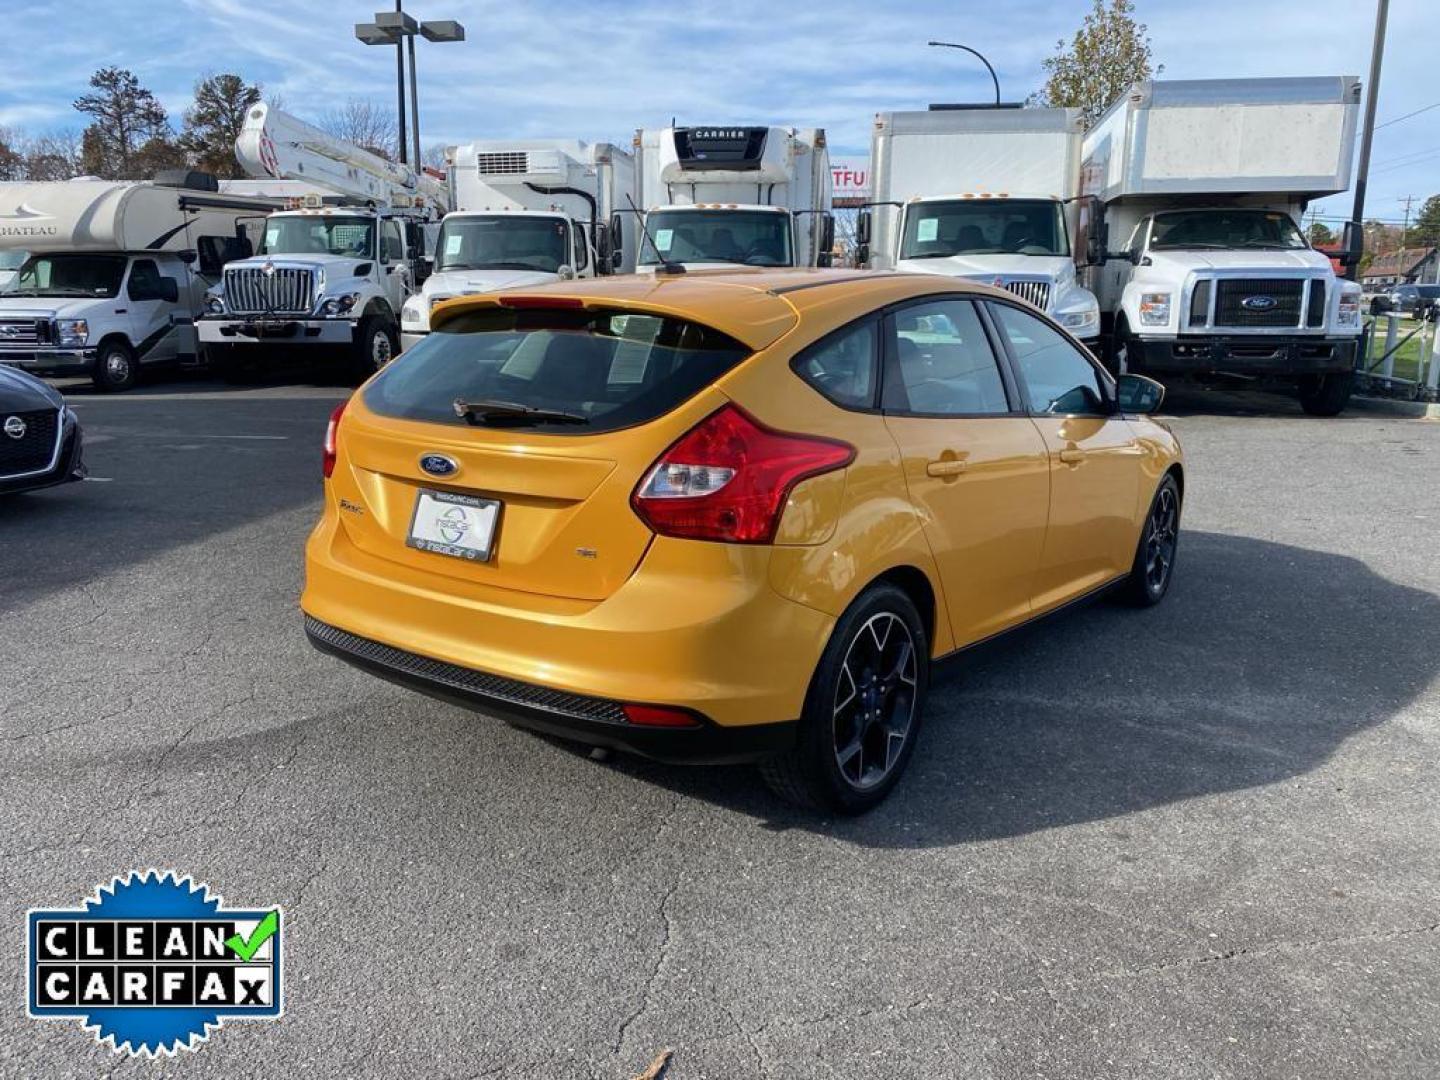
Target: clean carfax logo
x=153 y=963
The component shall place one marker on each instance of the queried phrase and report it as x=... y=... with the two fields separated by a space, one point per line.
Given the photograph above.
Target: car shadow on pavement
x=1262 y=661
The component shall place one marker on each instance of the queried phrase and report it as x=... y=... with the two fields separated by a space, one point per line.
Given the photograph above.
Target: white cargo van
x=1202 y=185
x=985 y=194
x=527 y=212
x=735 y=196
x=110 y=276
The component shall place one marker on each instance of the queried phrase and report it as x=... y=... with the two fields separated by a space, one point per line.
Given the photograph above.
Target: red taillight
x=327 y=461
x=728 y=478
x=659 y=716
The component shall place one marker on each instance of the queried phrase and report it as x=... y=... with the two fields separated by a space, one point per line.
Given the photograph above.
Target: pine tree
x=213 y=123
x=126 y=118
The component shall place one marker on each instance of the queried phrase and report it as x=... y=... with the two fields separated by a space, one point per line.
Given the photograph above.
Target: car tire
x=376 y=344
x=867 y=696
x=1154 y=566
x=1327 y=395
x=115 y=367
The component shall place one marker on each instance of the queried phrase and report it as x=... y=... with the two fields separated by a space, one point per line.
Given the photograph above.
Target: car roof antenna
x=666 y=266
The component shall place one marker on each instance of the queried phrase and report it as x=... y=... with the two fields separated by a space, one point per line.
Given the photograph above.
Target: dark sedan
x=1417 y=301
x=40 y=441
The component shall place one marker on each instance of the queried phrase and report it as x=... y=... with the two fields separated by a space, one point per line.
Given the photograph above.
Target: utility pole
x=1405 y=228
x=1377 y=54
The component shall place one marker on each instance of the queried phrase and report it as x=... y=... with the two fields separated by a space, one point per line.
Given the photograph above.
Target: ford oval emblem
x=439 y=465
x=1258 y=303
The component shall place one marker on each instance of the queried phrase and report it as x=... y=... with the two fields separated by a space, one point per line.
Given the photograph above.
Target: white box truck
x=1202 y=184
x=332 y=270
x=527 y=212
x=110 y=276
x=985 y=194
x=734 y=196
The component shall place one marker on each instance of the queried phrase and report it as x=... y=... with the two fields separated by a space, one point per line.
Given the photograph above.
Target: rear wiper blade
x=486 y=410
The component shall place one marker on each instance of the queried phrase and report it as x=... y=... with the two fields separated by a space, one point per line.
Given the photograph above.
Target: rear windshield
x=602 y=369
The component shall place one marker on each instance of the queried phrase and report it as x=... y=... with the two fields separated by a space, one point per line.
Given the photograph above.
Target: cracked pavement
x=1193 y=842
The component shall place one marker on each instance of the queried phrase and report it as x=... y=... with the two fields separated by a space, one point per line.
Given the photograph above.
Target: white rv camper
x=110 y=276
x=332 y=270
x=527 y=212
x=1203 y=184
x=986 y=195
x=735 y=196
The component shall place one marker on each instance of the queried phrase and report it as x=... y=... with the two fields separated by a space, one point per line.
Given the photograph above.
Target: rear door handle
x=946 y=467
x=1071 y=456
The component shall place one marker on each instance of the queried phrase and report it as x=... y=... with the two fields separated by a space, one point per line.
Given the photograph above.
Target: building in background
x=1407 y=266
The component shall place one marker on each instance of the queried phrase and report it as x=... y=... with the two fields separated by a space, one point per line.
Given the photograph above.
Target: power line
x=1407 y=116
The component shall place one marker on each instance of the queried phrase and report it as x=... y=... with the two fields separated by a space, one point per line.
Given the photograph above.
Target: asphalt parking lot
x=1199 y=841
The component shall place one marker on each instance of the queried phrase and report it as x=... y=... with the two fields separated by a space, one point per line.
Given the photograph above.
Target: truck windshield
x=937 y=230
x=503 y=242
x=13 y=260
x=70 y=275
x=314 y=234
x=1225 y=229
x=747 y=237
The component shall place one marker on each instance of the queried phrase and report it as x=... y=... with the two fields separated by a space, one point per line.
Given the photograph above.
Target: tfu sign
x=851 y=178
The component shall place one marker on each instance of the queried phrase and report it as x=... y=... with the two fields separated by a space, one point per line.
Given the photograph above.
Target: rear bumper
x=1256 y=355
x=593 y=721
x=696 y=626
x=50 y=361
x=234 y=330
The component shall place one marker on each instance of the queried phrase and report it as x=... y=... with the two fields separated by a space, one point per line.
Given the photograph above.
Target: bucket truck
x=332 y=269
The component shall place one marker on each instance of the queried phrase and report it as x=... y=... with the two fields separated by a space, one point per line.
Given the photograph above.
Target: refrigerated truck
x=734 y=196
x=110 y=275
x=983 y=194
x=528 y=212
x=1202 y=184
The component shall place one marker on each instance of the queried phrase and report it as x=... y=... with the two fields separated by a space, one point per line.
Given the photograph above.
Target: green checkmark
x=244 y=948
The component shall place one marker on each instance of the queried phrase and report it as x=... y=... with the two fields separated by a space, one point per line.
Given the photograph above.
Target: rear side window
x=612 y=369
x=944 y=363
x=842 y=366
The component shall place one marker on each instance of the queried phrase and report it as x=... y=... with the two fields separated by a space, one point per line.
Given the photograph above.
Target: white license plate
x=450 y=524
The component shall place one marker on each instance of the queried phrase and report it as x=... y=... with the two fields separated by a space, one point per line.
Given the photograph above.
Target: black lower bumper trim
x=590 y=720
x=1256 y=356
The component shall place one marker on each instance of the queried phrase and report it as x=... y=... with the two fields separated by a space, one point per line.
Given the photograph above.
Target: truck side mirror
x=1352 y=243
x=862 y=228
x=167 y=289
x=862 y=254
x=617 y=258
x=827 y=233
x=1097 y=233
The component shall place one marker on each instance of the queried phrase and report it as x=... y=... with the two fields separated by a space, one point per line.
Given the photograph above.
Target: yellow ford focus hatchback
x=731 y=516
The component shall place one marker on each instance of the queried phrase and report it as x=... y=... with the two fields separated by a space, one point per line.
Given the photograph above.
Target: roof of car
x=754 y=306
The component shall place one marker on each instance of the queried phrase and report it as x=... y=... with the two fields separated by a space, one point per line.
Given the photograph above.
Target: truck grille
x=250 y=291
x=1232 y=293
x=35 y=449
x=21 y=332
x=1036 y=292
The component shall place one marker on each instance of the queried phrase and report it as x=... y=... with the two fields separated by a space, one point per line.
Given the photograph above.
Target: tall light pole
x=973 y=52
x=399 y=29
x=1377 y=53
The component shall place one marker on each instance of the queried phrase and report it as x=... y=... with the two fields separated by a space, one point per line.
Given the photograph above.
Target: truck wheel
x=863 y=710
x=1327 y=395
x=375 y=345
x=115 y=367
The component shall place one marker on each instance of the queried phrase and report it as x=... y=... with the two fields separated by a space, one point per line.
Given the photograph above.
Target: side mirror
x=1097 y=233
x=1137 y=394
x=188 y=256
x=862 y=228
x=1352 y=243
x=862 y=254
x=565 y=272
x=617 y=259
x=827 y=233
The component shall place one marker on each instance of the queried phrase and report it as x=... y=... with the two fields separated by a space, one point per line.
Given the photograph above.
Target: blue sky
x=597 y=70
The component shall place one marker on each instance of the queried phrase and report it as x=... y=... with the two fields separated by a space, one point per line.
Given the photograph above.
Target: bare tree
x=54 y=155
x=365 y=124
x=12 y=156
